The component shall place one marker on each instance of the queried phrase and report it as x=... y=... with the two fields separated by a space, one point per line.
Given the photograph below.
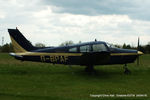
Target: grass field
x=40 y=81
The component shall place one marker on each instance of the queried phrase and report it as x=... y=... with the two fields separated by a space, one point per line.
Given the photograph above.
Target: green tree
x=128 y=46
x=66 y=43
x=5 y=48
x=124 y=46
x=40 y=45
x=118 y=46
x=147 y=48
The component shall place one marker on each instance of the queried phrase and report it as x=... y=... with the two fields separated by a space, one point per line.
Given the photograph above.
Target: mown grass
x=41 y=81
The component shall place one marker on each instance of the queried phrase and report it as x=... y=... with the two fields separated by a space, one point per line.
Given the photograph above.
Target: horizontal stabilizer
x=16 y=56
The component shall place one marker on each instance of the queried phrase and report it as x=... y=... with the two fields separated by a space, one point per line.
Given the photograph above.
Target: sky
x=55 y=21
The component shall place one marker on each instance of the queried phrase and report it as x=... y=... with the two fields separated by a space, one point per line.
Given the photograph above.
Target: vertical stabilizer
x=19 y=42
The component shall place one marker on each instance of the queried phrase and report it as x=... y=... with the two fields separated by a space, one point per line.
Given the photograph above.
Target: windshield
x=111 y=45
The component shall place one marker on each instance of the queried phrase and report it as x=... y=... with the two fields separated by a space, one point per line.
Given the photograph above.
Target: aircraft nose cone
x=140 y=53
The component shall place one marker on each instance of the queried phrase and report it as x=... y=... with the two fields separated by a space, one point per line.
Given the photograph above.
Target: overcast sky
x=54 y=21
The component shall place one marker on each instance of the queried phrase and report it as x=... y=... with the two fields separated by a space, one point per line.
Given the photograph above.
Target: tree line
x=6 y=48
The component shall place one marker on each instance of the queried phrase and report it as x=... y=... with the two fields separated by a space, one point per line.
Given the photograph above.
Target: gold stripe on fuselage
x=68 y=54
x=123 y=54
x=48 y=54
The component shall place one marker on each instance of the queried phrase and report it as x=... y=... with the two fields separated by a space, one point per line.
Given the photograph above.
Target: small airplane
x=85 y=54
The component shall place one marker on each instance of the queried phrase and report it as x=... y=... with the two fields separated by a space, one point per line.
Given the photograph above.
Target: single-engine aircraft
x=87 y=54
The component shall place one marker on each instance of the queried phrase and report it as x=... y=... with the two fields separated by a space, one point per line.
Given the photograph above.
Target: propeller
x=138 y=47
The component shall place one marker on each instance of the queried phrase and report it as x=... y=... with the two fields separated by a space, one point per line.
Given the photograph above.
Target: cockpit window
x=111 y=45
x=85 y=48
x=99 y=47
x=73 y=49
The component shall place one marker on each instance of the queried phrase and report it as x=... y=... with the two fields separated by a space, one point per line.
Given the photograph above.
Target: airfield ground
x=40 y=81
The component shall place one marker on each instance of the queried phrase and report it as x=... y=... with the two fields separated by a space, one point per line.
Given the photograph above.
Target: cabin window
x=85 y=48
x=73 y=49
x=99 y=48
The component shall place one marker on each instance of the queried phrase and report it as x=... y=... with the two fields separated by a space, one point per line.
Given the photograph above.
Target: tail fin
x=19 y=42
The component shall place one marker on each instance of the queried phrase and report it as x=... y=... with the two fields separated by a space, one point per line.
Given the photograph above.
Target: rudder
x=19 y=42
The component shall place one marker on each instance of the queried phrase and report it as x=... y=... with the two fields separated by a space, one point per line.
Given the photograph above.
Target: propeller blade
x=138 y=46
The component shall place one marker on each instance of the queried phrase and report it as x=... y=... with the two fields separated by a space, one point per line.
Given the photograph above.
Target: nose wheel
x=126 y=70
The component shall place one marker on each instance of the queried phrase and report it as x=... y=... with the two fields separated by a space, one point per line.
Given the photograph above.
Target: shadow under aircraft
x=86 y=54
